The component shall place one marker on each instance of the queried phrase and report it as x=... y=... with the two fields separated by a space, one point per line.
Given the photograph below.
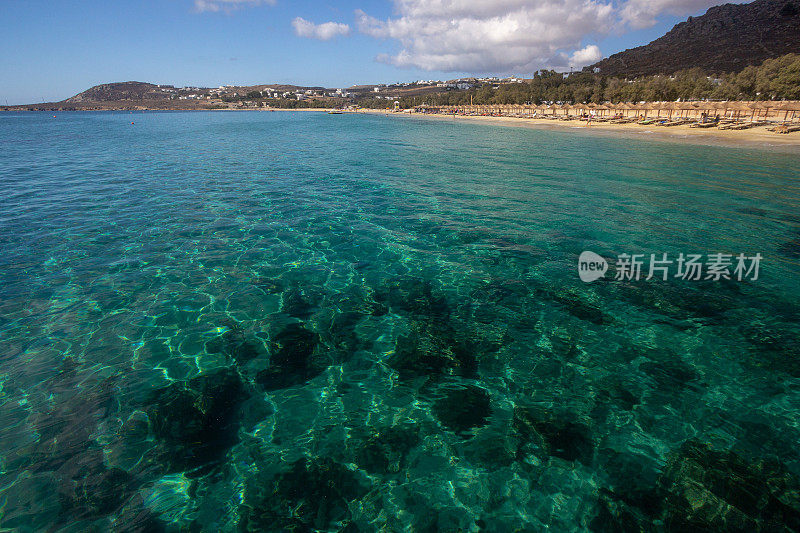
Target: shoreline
x=757 y=137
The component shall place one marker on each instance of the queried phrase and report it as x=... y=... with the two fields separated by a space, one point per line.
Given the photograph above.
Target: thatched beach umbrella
x=684 y=108
x=669 y=107
x=720 y=108
x=788 y=107
x=649 y=107
x=704 y=106
x=615 y=109
x=657 y=108
x=602 y=109
x=738 y=108
x=756 y=108
x=626 y=108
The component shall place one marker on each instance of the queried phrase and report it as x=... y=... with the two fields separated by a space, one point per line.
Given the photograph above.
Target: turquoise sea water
x=296 y=321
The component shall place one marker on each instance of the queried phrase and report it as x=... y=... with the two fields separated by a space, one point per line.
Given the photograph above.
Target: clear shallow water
x=258 y=321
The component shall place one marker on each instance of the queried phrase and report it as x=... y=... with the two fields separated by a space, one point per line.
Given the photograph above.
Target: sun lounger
x=785 y=128
x=746 y=125
x=678 y=122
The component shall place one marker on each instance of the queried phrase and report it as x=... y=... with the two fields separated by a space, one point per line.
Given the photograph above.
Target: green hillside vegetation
x=774 y=79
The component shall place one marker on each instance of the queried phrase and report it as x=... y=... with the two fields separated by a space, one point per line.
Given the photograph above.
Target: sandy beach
x=757 y=137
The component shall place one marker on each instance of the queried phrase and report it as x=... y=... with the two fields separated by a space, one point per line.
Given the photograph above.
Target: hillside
x=131 y=95
x=125 y=91
x=726 y=39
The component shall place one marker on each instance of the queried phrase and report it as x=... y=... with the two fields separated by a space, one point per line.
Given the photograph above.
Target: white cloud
x=323 y=32
x=504 y=36
x=227 y=5
x=481 y=36
x=586 y=56
x=643 y=13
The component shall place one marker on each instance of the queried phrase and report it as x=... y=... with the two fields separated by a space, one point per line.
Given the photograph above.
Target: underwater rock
x=96 y=493
x=29 y=504
x=566 y=344
x=269 y=285
x=344 y=312
x=414 y=296
x=314 y=495
x=295 y=304
x=671 y=375
x=633 y=479
x=196 y=421
x=432 y=353
x=584 y=311
x=701 y=489
x=710 y=301
x=776 y=438
x=463 y=408
x=576 y=304
x=509 y=293
x=709 y=490
x=236 y=344
x=615 y=516
x=386 y=451
x=358 y=300
x=136 y=517
x=360 y=265
x=342 y=331
x=556 y=436
x=618 y=393
x=296 y=358
x=492 y=451
x=379 y=309
x=776 y=346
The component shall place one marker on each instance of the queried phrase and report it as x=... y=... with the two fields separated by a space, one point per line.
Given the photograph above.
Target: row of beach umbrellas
x=777 y=110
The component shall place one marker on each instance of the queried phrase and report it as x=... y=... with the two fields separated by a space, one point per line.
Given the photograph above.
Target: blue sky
x=50 y=50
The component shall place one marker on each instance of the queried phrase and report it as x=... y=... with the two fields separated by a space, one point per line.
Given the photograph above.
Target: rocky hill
x=125 y=91
x=726 y=39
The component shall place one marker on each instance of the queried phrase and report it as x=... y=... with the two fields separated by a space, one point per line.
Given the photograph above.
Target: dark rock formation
x=726 y=39
x=463 y=408
x=703 y=489
x=554 y=435
x=196 y=421
x=314 y=495
x=297 y=357
x=386 y=451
